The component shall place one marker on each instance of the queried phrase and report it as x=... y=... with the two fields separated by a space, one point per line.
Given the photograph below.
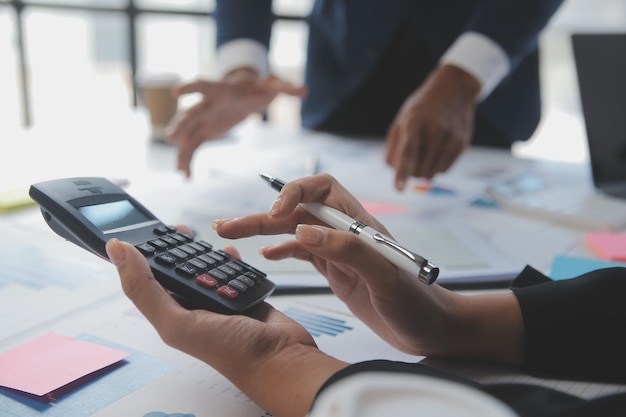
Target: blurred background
x=64 y=62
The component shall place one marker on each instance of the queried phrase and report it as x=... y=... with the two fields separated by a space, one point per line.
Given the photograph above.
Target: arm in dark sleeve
x=515 y=24
x=250 y=19
x=574 y=327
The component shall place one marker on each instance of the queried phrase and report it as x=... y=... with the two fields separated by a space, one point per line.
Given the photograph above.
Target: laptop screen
x=601 y=68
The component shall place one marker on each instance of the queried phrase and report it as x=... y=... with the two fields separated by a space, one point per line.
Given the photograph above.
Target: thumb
x=192 y=87
x=277 y=86
x=139 y=283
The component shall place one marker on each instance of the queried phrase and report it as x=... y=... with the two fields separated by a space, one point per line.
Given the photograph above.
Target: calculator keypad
x=201 y=265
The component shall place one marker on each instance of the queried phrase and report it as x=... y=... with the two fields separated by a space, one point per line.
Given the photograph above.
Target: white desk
x=50 y=285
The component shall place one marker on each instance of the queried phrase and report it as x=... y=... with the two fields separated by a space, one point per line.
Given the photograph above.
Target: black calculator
x=91 y=210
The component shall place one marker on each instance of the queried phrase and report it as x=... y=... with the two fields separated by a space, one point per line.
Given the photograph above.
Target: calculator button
x=166 y=259
x=169 y=240
x=207 y=245
x=252 y=269
x=206 y=281
x=145 y=248
x=227 y=292
x=178 y=253
x=216 y=256
x=161 y=230
x=226 y=270
x=253 y=276
x=248 y=281
x=198 y=263
x=186 y=269
x=188 y=249
x=207 y=259
x=179 y=237
x=235 y=266
x=216 y=273
x=197 y=246
x=158 y=243
x=222 y=253
x=187 y=236
x=238 y=285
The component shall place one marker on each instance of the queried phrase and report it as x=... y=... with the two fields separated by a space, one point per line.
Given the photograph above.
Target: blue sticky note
x=566 y=267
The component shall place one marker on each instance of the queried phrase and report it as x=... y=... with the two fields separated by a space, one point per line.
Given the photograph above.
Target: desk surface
x=80 y=297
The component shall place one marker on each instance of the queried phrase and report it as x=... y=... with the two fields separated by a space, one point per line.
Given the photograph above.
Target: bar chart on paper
x=318 y=324
x=335 y=330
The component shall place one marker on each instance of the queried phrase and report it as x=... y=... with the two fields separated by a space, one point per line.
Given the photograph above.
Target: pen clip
x=428 y=272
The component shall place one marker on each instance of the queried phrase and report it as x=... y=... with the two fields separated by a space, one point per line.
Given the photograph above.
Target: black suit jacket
x=348 y=39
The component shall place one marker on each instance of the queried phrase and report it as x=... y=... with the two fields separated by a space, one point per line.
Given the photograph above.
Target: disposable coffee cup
x=157 y=97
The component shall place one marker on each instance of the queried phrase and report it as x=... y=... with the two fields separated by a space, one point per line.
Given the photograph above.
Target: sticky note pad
x=53 y=361
x=566 y=267
x=14 y=199
x=376 y=208
x=607 y=245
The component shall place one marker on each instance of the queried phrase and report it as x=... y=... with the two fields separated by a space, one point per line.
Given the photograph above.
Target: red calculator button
x=228 y=292
x=206 y=281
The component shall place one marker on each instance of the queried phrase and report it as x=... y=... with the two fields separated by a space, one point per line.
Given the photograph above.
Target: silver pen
x=403 y=258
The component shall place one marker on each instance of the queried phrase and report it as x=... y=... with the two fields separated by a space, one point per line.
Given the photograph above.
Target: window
x=62 y=58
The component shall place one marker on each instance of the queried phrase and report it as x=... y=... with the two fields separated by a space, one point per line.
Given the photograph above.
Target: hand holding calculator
x=89 y=211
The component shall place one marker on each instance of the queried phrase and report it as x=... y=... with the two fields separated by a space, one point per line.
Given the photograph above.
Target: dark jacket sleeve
x=250 y=19
x=574 y=327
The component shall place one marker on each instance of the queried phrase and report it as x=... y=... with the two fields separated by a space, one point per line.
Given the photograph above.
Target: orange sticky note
x=607 y=245
x=53 y=361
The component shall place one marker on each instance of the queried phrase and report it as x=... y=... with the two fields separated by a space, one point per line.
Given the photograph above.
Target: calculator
x=88 y=211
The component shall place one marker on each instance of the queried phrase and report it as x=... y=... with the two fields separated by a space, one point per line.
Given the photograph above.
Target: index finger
x=322 y=188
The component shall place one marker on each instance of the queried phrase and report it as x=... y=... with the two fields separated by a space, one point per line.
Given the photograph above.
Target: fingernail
x=115 y=251
x=219 y=222
x=263 y=249
x=400 y=184
x=275 y=207
x=311 y=235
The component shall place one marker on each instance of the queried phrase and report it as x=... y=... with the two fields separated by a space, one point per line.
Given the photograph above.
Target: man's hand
x=434 y=125
x=224 y=104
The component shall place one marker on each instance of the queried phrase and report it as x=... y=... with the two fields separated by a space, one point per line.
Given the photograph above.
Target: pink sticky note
x=52 y=361
x=607 y=245
x=376 y=208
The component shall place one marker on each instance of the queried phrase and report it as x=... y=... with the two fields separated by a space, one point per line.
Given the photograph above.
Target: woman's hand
x=415 y=318
x=271 y=358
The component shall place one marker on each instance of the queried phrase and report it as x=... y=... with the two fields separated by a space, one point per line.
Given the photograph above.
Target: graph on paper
x=318 y=324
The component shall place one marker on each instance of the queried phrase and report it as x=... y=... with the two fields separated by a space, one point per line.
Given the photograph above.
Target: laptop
x=601 y=68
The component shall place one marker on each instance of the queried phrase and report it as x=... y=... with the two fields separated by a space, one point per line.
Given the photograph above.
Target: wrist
x=242 y=74
x=298 y=373
x=460 y=81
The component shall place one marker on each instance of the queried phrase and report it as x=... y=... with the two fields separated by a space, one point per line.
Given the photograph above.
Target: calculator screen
x=115 y=215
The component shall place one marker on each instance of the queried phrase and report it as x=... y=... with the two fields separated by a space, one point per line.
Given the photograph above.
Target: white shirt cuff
x=242 y=53
x=481 y=57
x=376 y=393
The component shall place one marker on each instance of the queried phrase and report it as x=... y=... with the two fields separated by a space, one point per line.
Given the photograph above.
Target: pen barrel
x=391 y=250
x=333 y=217
x=401 y=260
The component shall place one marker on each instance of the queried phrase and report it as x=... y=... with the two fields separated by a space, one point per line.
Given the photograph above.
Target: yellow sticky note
x=14 y=199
